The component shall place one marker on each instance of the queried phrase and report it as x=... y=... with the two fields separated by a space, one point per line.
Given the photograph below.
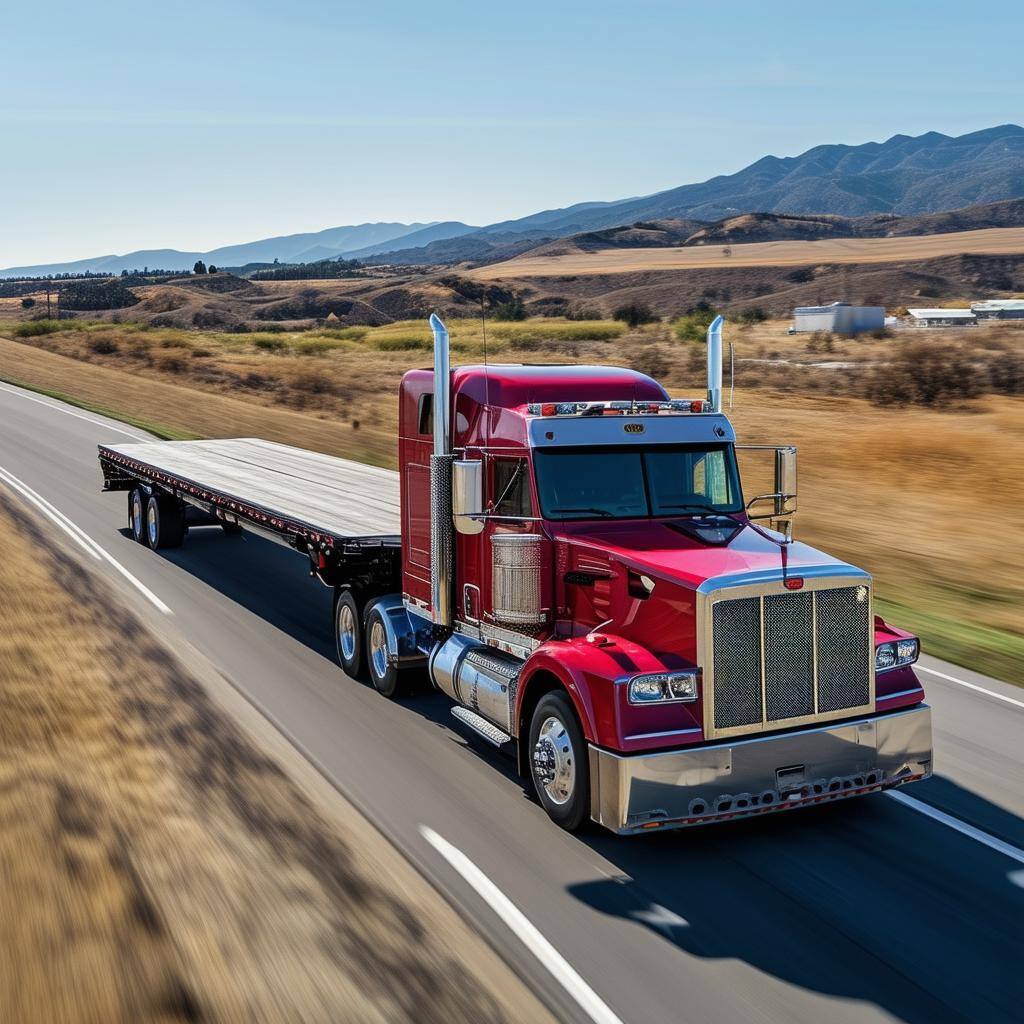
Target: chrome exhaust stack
x=715 y=364
x=441 y=482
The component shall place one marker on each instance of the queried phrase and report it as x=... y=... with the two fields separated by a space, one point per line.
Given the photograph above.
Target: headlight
x=663 y=686
x=896 y=654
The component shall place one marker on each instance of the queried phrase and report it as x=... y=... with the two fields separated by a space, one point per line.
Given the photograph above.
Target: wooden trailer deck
x=322 y=493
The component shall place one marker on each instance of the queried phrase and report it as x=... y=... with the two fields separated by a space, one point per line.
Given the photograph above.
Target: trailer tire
x=348 y=634
x=165 y=522
x=559 y=765
x=137 y=514
x=388 y=679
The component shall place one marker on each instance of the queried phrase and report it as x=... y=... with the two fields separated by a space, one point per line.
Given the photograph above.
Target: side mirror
x=468 y=496
x=785 y=481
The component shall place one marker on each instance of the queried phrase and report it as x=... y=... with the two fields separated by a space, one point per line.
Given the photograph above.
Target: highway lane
x=863 y=911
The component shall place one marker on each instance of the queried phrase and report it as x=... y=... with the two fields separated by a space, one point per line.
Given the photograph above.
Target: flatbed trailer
x=343 y=515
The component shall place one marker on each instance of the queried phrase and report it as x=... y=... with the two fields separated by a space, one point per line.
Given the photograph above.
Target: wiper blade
x=603 y=512
x=696 y=506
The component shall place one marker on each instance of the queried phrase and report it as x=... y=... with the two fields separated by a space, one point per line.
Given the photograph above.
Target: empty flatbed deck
x=284 y=489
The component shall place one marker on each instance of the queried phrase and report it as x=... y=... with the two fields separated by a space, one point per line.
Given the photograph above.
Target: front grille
x=789 y=656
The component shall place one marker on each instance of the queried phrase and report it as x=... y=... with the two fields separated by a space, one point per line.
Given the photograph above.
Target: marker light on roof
x=675 y=405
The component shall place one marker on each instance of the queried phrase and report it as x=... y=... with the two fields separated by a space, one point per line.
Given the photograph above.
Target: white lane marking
x=59 y=406
x=79 y=536
x=972 y=686
x=589 y=1001
x=961 y=826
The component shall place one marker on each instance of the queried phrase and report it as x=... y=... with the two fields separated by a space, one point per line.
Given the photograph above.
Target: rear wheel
x=558 y=762
x=348 y=634
x=387 y=678
x=165 y=522
x=137 y=515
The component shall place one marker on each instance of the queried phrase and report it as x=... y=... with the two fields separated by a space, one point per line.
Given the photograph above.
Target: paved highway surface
x=875 y=909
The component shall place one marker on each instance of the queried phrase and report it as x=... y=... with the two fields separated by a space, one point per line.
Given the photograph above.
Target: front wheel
x=558 y=762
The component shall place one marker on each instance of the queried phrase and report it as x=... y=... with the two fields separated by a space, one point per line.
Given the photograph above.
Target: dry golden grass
x=759 y=254
x=156 y=866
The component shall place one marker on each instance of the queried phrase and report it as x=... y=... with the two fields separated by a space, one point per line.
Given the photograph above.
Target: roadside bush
x=754 y=315
x=693 y=326
x=37 y=328
x=821 y=341
x=313 y=382
x=925 y=373
x=513 y=309
x=634 y=314
x=103 y=346
x=317 y=346
x=171 y=363
x=27 y=303
x=652 y=360
x=1006 y=372
x=269 y=343
x=402 y=343
x=801 y=275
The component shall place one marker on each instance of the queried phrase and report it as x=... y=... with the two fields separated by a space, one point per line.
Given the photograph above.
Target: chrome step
x=482 y=727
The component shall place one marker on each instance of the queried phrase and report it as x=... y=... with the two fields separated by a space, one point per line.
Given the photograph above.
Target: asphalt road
x=863 y=911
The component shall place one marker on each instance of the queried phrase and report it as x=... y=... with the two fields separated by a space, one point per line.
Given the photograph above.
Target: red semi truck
x=570 y=557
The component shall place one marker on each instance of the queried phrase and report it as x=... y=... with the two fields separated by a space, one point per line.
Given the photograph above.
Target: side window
x=510 y=488
x=425 y=414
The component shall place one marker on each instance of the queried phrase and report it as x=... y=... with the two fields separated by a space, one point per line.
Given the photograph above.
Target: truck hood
x=688 y=554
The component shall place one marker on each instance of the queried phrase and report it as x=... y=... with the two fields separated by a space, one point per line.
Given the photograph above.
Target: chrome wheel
x=151 y=523
x=554 y=766
x=348 y=638
x=378 y=648
x=136 y=515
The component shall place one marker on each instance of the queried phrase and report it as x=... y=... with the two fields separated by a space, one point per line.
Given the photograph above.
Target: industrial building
x=999 y=309
x=838 y=318
x=942 y=317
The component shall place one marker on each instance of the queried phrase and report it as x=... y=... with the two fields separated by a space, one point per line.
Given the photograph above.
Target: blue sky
x=195 y=125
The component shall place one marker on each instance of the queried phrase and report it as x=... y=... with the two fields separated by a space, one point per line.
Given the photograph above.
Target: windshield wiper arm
x=596 y=511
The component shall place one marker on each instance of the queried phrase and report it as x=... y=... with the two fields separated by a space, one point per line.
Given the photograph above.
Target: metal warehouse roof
x=936 y=314
x=993 y=304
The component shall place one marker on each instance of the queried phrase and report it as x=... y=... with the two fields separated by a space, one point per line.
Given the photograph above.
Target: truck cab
x=584 y=577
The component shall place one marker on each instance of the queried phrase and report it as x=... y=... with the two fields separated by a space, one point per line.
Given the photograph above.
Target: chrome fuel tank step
x=478 y=677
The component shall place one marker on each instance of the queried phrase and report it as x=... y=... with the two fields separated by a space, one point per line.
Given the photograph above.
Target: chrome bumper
x=641 y=792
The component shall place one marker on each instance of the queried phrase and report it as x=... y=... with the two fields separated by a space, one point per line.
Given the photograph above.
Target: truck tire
x=348 y=634
x=137 y=514
x=559 y=765
x=388 y=679
x=165 y=522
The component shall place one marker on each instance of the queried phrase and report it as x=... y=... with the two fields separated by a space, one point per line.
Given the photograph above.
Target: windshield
x=637 y=482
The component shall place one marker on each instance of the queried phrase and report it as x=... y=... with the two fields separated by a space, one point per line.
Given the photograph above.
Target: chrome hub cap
x=137 y=515
x=151 y=523
x=378 y=649
x=554 y=767
x=347 y=632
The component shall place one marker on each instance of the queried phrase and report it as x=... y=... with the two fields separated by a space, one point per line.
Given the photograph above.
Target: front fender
x=589 y=669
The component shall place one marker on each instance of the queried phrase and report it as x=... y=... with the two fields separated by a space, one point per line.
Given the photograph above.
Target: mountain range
x=905 y=175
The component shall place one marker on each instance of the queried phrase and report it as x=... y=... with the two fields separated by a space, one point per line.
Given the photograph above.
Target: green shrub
x=403 y=342
x=103 y=346
x=317 y=346
x=36 y=328
x=693 y=326
x=513 y=309
x=269 y=343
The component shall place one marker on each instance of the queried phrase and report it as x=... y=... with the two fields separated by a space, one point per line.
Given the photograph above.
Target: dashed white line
x=999 y=845
x=971 y=686
x=68 y=411
x=79 y=536
x=587 y=999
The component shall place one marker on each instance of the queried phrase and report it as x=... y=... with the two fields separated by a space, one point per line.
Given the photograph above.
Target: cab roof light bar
x=676 y=406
